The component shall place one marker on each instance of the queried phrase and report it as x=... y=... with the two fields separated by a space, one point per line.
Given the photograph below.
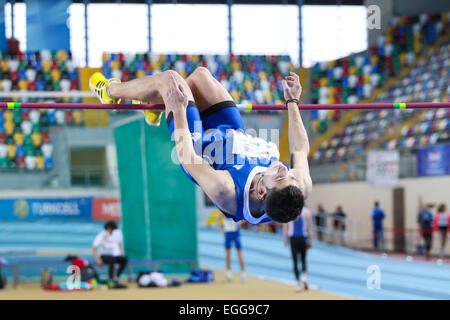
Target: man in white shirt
x=110 y=245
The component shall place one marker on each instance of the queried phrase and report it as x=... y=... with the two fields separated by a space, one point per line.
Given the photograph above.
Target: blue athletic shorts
x=209 y=125
x=232 y=237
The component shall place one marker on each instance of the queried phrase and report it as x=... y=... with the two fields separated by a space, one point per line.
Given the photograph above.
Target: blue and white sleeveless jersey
x=244 y=157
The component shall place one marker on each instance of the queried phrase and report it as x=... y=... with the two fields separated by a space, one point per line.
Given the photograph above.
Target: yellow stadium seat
x=374 y=60
x=291 y=66
x=105 y=56
x=389 y=39
x=5 y=66
x=183 y=73
x=315 y=125
x=46 y=65
x=352 y=70
x=39 y=162
x=331 y=100
x=115 y=65
x=366 y=79
x=36 y=139
x=140 y=73
x=402 y=58
x=262 y=75
x=235 y=65
x=56 y=75
x=155 y=65
x=62 y=55
x=9 y=128
x=194 y=58
x=389 y=30
x=267 y=96
x=18 y=138
x=323 y=82
x=417 y=46
x=8 y=116
x=236 y=95
x=248 y=85
x=331 y=91
x=331 y=64
x=11 y=151
x=77 y=117
x=162 y=57
x=23 y=84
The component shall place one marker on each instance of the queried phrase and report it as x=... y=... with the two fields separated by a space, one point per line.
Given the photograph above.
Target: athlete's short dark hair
x=284 y=205
x=110 y=225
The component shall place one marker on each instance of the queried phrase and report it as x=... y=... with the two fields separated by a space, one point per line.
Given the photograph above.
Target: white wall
x=357 y=198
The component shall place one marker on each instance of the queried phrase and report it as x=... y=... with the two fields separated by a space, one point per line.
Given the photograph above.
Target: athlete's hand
x=292 y=87
x=176 y=97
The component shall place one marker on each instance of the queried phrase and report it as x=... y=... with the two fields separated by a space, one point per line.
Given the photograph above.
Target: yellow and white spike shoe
x=98 y=84
x=153 y=118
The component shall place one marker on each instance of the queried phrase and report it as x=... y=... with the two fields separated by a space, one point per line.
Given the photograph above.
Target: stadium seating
x=24 y=134
x=428 y=81
x=249 y=79
x=354 y=78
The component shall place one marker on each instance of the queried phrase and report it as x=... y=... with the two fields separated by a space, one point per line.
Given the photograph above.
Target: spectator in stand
x=425 y=221
x=339 y=224
x=377 y=217
x=110 y=243
x=441 y=222
x=320 y=221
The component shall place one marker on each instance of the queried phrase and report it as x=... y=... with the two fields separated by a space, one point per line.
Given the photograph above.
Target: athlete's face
x=278 y=176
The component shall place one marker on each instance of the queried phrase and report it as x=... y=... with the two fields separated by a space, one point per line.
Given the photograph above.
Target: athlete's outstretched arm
x=215 y=183
x=298 y=137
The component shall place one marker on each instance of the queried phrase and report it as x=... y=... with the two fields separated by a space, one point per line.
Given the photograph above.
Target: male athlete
x=241 y=174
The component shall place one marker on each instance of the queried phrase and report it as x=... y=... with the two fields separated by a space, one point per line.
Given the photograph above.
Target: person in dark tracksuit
x=425 y=221
x=299 y=232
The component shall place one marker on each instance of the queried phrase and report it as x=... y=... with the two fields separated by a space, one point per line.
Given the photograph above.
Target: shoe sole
x=95 y=92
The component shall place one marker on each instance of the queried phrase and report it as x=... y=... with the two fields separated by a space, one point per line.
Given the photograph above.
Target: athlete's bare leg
x=206 y=89
x=151 y=89
x=241 y=259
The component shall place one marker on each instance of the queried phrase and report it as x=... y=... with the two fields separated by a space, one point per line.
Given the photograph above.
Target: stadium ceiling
x=306 y=2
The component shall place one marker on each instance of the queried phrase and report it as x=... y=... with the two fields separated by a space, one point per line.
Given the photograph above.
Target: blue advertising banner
x=434 y=161
x=28 y=209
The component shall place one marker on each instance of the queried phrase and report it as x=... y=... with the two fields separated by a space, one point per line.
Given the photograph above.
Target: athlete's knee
x=201 y=74
x=171 y=73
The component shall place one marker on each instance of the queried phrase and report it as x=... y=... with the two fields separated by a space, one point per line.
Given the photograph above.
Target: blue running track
x=333 y=269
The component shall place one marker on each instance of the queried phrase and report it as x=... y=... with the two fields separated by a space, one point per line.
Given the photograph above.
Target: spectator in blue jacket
x=377 y=217
x=425 y=221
